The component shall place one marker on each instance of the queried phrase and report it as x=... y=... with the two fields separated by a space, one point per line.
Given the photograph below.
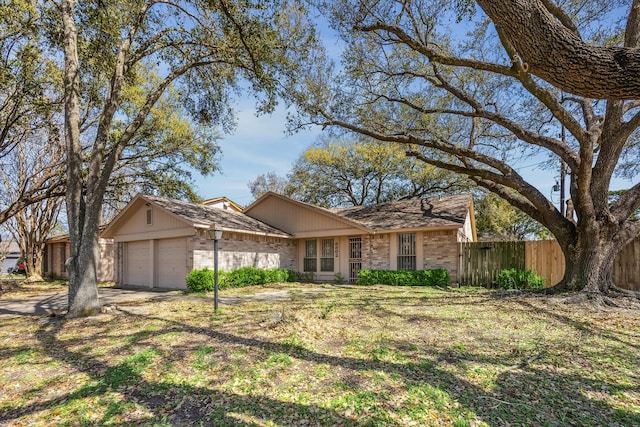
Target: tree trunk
x=588 y=266
x=33 y=260
x=83 y=231
x=35 y=275
x=83 y=278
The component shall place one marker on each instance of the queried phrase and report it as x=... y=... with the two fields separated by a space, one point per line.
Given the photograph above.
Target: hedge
x=433 y=277
x=200 y=280
x=519 y=279
x=203 y=280
x=251 y=276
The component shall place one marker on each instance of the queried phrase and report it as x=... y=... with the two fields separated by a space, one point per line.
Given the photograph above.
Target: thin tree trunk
x=83 y=289
x=36 y=267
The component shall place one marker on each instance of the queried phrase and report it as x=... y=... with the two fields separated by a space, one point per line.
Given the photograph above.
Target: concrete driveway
x=57 y=302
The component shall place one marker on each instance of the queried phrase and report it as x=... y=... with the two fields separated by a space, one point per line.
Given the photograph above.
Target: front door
x=355 y=258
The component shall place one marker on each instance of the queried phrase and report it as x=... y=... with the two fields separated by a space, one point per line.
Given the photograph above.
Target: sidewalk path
x=57 y=302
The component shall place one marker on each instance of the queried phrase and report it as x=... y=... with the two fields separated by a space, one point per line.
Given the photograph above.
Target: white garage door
x=172 y=263
x=138 y=263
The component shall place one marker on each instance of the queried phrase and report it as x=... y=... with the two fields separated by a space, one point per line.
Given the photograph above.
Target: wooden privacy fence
x=480 y=262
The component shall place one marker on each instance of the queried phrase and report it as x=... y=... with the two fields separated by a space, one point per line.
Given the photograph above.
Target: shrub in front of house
x=252 y=276
x=519 y=279
x=302 y=276
x=433 y=277
x=203 y=280
x=200 y=280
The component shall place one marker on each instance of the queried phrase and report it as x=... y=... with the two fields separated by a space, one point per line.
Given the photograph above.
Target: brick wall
x=57 y=254
x=237 y=250
x=441 y=251
x=380 y=251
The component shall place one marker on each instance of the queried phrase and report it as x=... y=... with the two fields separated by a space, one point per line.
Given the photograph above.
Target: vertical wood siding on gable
x=160 y=220
x=292 y=218
x=466 y=234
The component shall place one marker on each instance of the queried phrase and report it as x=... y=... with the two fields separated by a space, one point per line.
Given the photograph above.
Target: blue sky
x=260 y=145
x=257 y=146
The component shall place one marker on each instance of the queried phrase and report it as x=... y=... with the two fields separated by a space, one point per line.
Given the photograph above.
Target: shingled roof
x=207 y=216
x=445 y=211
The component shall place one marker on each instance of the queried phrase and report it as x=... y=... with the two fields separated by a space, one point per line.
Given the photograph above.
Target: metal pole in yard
x=215 y=275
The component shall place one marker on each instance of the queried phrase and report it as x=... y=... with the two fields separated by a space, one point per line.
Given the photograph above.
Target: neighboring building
x=223 y=203
x=9 y=254
x=159 y=241
x=58 y=249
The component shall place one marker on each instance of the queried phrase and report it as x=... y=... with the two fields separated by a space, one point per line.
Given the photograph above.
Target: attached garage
x=137 y=263
x=172 y=263
x=159 y=241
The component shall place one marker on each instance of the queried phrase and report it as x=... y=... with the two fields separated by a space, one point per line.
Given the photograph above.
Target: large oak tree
x=200 y=51
x=340 y=173
x=544 y=37
x=474 y=93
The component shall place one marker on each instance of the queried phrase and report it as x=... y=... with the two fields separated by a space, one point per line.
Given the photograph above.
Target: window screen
x=407 y=251
x=310 y=255
x=326 y=260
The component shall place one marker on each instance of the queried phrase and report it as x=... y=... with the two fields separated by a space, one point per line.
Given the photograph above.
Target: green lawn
x=350 y=356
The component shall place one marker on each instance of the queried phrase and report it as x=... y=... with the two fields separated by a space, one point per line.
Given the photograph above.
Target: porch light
x=215 y=233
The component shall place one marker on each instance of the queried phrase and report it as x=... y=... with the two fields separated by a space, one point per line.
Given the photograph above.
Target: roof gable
x=434 y=212
x=296 y=217
x=9 y=247
x=195 y=215
x=302 y=219
x=223 y=203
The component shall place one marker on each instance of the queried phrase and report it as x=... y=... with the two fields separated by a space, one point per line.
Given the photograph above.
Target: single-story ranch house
x=58 y=249
x=157 y=241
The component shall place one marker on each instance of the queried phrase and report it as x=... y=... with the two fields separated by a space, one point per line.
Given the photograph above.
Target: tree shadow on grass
x=522 y=396
x=587 y=327
x=164 y=403
x=494 y=300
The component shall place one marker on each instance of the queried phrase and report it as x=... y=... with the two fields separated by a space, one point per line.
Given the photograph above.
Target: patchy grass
x=20 y=288
x=348 y=356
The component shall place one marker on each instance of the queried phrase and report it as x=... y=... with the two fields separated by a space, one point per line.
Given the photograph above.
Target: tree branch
x=560 y=57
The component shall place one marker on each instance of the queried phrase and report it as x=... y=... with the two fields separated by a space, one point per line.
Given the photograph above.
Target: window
x=310 y=255
x=407 y=251
x=62 y=251
x=326 y=259
x=148 y=216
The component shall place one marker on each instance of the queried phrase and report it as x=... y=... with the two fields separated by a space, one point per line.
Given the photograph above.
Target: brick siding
x=441 y=251
x=236 y=250
x=380 y=251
